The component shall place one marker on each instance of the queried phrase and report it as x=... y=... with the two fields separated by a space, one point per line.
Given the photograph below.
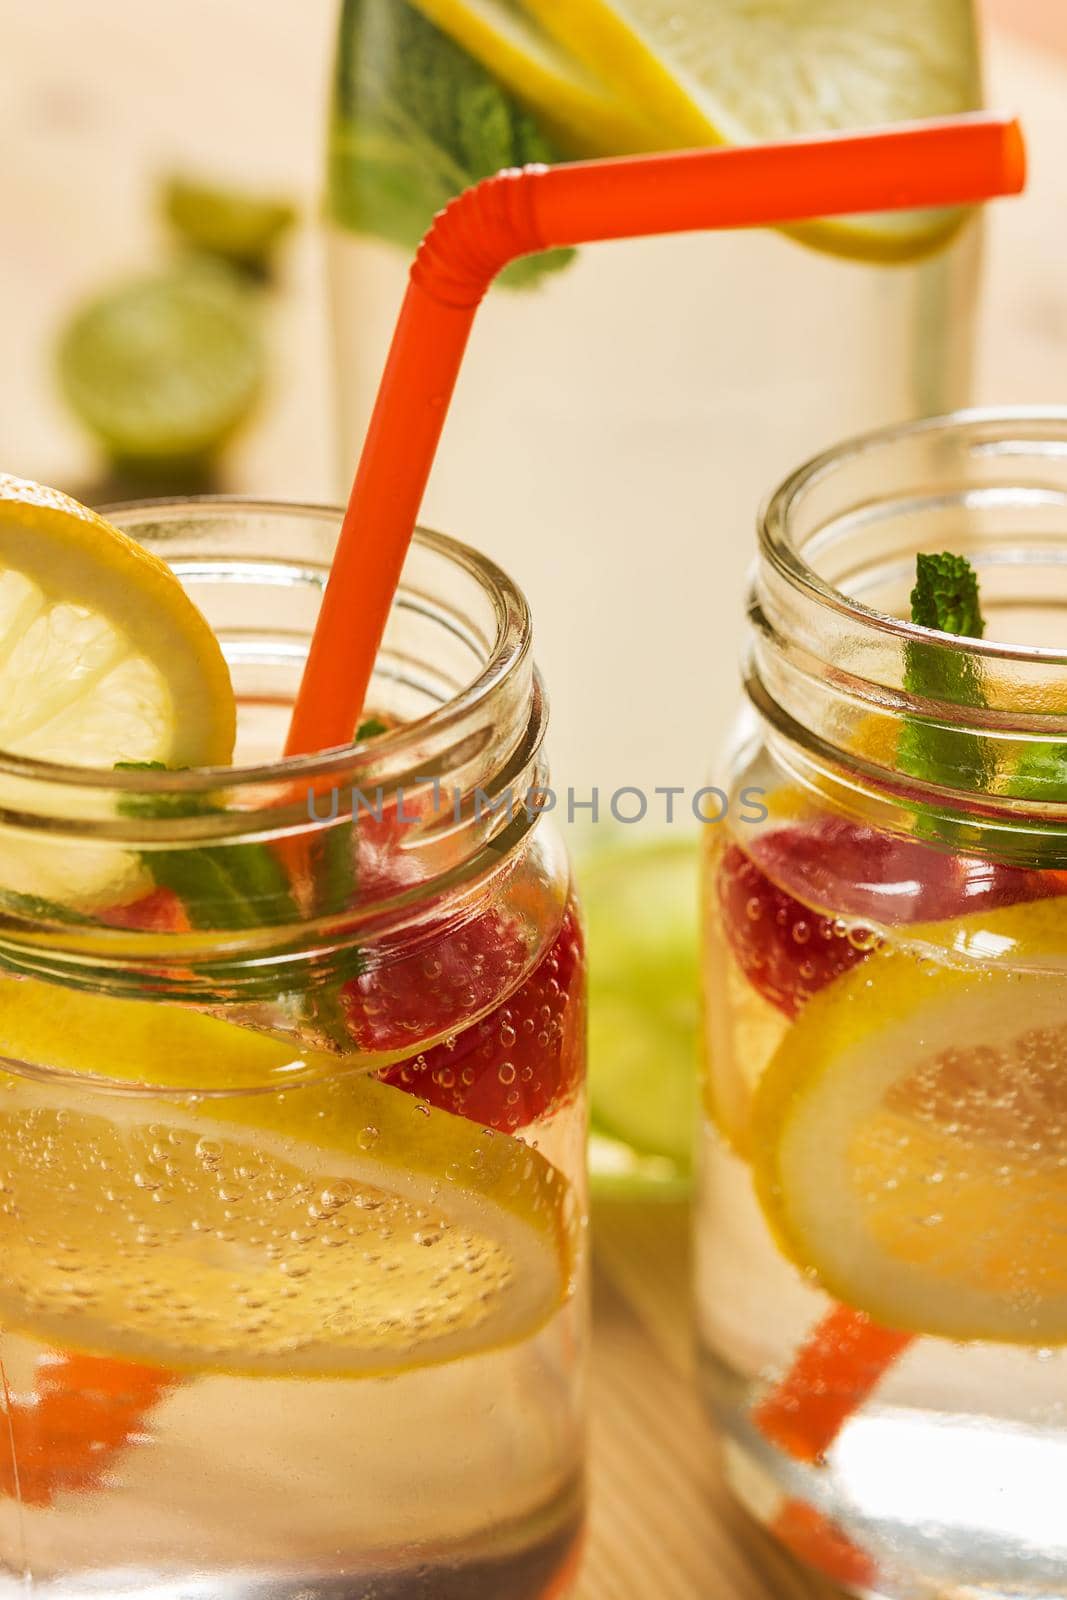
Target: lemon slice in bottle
x=909 y=1134
x=740 y=71
x=331 y=1227
x=574 y=104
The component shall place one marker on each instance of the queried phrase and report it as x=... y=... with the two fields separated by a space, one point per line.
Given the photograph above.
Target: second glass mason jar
x=882 y=1250
x=292 y=1121
x=622 y=408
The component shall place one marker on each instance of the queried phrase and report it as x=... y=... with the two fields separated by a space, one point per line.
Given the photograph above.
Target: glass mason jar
x=617 y=392
x=882 y=1268
x=292 y=1121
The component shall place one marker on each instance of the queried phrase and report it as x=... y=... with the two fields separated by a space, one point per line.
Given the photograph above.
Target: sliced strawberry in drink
x=788 y=951
x=158 y=911
x=433 y=991
x=785 y=950
x=522 y=1060
x=858 y=871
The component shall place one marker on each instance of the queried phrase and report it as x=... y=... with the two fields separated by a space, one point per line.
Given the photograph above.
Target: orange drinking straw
x=834 y=1372
x=955 y=161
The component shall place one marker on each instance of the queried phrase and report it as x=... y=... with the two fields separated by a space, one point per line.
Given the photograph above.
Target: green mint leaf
x=241 y=886
x=1041 y=774
x=370 y=729
x=233 y=886
x=945 y=598
x=415 y=121
x=38 y=909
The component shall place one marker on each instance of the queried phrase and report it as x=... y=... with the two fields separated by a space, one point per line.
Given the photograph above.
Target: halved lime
x=641 y=906
x=241 y=227
x=164 y=368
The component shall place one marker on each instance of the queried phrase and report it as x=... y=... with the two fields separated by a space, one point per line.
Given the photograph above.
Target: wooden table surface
x=94 y=101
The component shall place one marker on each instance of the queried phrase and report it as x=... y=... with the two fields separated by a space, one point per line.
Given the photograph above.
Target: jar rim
x=510 y=648
x=778 y=512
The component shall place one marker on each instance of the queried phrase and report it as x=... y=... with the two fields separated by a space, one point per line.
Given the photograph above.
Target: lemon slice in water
x=739 y=71
x=329 y=1225
x=909 y=1135
x=572 y=102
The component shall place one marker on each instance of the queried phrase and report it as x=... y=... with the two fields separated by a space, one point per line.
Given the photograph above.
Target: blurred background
x=101 y=105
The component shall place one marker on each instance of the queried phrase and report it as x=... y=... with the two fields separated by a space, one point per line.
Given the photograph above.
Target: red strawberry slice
x=784 y=950
x=858 y=871
x=431 y=991
x=788 y=951
x=523 y=1059
x=158 y=911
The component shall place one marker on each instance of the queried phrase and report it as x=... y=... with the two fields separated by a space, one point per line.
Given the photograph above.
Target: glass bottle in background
x=623 y=408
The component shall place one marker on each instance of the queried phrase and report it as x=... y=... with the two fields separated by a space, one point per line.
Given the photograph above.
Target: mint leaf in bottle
x=415 y=121
x=1041 y=774
x=246 y=885
x=945 y=598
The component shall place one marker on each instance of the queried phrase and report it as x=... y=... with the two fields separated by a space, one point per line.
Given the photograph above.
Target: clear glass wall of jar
x=292 y=1120
x=882 y=1275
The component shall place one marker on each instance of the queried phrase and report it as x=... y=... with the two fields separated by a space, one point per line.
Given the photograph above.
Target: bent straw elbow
x=477 y=235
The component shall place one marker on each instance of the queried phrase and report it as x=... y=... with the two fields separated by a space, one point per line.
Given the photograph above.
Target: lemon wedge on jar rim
x=632 y=74
x=910 y=1134
x=103 y=656
x=103 y=659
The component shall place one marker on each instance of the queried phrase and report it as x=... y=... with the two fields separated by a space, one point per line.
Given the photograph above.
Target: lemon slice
x=572 y=103
x=331 y=1225
x=909 y=1135
x=103 y=656
x=739 y=71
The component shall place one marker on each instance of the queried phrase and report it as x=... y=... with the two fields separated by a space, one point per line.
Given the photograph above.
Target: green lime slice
x=164 y=368
x=642 y=913
x=240 y=227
